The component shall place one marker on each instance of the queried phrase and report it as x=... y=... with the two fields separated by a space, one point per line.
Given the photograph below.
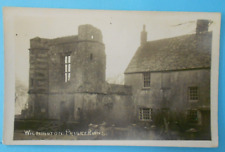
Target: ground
x=56 y=130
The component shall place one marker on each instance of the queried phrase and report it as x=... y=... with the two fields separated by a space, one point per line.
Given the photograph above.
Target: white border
x=8 y=15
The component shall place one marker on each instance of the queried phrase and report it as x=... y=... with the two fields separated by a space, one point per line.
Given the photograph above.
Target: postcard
x=103 y=77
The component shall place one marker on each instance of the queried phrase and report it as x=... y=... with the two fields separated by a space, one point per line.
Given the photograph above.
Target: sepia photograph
x=98 y=75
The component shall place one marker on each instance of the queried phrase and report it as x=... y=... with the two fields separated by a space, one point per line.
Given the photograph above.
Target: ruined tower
x=64 y=66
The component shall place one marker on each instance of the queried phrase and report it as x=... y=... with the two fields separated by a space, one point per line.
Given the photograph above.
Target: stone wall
x=61 y=106
x=38 y=78
x=89 y=65
x=38 y=106
x=86 y=97
x=119 y=89
x=96 y=108
x=112 y=107
x=57 y=54
x=170 y=90
x=38 y=73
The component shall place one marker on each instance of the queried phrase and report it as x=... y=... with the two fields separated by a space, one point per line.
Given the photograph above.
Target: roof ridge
x=186 y=35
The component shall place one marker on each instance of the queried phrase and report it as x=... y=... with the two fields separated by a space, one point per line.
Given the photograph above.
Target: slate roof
x=191 y=51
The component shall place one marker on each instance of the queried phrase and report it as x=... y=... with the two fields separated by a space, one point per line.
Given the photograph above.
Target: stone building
x=170 y=79
x=67 y=80
x=167 y=81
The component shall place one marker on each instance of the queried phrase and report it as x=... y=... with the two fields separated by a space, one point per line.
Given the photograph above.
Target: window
x=91 y=56
x=92 y=37
x=192 y=116
x=147 y=79
x=193 y=94
x=145 y=114
x=67 y=68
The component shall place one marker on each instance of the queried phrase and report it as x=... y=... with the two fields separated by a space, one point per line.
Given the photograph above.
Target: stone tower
x=65 y=66
x=89 y=60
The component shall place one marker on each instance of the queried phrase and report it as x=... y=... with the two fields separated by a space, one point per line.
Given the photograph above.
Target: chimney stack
x=143 y=36
x=202 y=26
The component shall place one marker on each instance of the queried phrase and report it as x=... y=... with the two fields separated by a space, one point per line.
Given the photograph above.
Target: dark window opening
x=193 y=94
x=91 y=56
x=147 y=79
x=192 y=116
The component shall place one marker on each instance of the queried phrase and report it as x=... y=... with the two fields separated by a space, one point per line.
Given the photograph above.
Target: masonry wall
x=38 y=105
x=38 y=78
x=89 y=65
x=90 y=108
x=61 y=107
x=113 y=107
x=86 y=97
x=96 y=108
x=57 y=54
x=38 y=73
x=88 y=62
x=170 y=90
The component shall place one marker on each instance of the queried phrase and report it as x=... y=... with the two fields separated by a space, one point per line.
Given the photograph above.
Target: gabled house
x=170 y=79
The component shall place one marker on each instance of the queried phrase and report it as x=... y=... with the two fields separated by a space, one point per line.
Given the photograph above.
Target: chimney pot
x=202 y=26
x=143 y=36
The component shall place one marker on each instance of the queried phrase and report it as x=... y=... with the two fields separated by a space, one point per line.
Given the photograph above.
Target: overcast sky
x=120 y=29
